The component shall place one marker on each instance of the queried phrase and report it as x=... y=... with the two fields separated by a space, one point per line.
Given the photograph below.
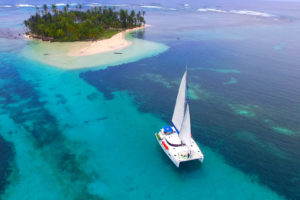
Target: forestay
x=180 y=104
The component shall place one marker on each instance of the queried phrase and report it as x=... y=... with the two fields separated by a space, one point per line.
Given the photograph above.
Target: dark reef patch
x=6 y=158
x=61 y=99
x=102 y=118
x=22 y=102
x=93 y=96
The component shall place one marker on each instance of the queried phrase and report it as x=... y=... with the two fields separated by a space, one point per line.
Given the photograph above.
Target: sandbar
x=121 y=48
x=86 y=48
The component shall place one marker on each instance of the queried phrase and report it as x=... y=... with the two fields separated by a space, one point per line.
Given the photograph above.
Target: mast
x=179 y=109
x=185 y=131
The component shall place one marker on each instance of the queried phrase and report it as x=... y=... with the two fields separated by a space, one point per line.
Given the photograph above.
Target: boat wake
x=251 y=12
x=93 y=4
x=240 y=12
x=118 y=5
x=25 y=5
x=154 y=7
x=157 y=7
x=211 y=10
x=5 y=6
x=60 y=4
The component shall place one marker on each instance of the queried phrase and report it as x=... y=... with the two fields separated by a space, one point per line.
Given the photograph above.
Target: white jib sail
x=180 y=104
x=185 y=131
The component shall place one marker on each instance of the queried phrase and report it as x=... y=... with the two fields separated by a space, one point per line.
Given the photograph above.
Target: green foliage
x=73 y=25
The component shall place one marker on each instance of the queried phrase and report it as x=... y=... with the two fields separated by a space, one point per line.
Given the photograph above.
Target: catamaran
x=176 y=140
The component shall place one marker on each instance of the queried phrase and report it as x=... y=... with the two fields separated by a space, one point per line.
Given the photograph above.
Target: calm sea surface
x=89 y=133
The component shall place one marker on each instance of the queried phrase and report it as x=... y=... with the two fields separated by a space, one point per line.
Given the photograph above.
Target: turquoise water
x=106 y=148
x=89 y=133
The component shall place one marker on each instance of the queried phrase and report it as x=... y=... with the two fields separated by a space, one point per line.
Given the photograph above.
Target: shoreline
x=86 y=48
x=88 y=54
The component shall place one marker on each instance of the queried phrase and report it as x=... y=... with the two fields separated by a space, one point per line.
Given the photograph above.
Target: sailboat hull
x=175 y=151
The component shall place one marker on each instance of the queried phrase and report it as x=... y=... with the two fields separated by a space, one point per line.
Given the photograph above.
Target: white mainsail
x=185 y=131
x=180 y=104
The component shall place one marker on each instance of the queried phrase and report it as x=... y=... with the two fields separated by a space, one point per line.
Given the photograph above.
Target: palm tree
x=138 y=16
x=45 y=7
x=37 y=9
x=54 y=9
x=131 y=18
x=66 y=8
x=77 y=25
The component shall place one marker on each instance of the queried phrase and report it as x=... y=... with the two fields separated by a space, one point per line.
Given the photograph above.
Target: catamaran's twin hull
x=179 y=153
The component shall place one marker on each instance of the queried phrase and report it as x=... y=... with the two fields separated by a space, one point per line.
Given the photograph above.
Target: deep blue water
x=89 y=134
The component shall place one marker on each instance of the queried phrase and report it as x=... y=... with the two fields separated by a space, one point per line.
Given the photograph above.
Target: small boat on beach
x=176 y=140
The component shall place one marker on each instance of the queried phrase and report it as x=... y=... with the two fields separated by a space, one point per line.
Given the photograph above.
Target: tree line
x=77 y=24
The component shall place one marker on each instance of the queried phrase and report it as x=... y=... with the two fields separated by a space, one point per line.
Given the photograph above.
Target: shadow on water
x=191 y=166
x=185 y=167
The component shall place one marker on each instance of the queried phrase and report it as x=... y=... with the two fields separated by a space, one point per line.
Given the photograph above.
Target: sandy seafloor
x=89 y=133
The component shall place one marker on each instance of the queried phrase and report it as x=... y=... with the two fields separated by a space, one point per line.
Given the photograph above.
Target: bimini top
x=168 y=129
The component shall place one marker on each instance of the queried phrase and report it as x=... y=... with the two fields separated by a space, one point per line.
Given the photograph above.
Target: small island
x=68 y=25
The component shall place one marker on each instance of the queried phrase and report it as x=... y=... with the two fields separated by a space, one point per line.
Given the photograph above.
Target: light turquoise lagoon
x=56 y=53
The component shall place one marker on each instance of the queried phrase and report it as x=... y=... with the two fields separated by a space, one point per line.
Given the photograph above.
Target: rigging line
x=175 y=127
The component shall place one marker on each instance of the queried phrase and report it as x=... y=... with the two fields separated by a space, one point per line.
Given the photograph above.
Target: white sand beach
x=116 y=42
x=121 y=48
x=86 y=48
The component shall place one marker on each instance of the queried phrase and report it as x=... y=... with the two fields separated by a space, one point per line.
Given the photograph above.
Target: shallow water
x=89 y=134
x=56 y=54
